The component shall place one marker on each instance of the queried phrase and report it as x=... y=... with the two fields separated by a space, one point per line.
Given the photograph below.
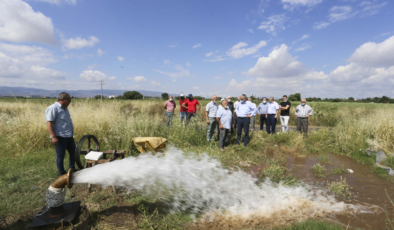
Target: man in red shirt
x=183 y=112
x=191 y=105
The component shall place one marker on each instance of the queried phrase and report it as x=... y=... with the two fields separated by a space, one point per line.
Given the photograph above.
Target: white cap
x=182 y=95
x=222 y=99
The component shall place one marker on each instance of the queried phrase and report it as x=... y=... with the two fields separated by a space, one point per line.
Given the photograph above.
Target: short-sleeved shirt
x=191 y=105
x=272 y=107
x=225 y=117
x=183 y=109
x=263 y=108
x=287 y=111
x=245 y=108
x=62 y=123
x=212 y=109
x=171 y=105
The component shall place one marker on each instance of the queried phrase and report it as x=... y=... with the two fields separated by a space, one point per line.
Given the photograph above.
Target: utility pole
x=101 y=83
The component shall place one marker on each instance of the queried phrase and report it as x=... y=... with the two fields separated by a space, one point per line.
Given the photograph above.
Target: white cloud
x=274 y=23
x=281 y=64
x=154 y=83
x=215 y=59
x=137 y=78
x=291 y=4
x=303 y=46
x=339 y=13
x=197 y=45
x=375 y=54
x=21 y=62
x=174 y=80
x=305 y=36
x=173 y=45
x=250 y=31
x=181 y=73
x=188 y=64
x=320 y=25
x=78 y=43
x=237 y=51
x=92 y=75
x=120 y=58
x=209 y=54
x=166 y=62
x=100 y=52
x=218 y=77
x=370 y=9
x=195 y=87
x=20 y=23
x=58 y=2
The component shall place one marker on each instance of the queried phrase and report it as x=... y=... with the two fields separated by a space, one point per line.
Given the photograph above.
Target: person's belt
x=303 y=117
x=272 y=114
x=243 y=117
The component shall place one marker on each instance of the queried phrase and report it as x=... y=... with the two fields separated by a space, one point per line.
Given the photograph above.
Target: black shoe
x=244 y=145
x=237 y=143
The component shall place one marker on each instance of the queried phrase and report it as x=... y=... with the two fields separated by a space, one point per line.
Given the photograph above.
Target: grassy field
x=27 y=157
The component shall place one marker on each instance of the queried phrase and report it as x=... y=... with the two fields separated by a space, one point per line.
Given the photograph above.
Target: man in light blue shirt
x=61 y=129
x=244 y=111
x=262 y=110
x=224 y=118
x=210 y=114
x=272 y=115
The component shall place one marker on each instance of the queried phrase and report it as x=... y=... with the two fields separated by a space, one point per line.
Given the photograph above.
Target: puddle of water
x=368 y=188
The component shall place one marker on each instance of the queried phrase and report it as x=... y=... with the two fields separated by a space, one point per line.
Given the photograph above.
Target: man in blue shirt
x=244 y=111
x=272 y=115
x=262 y=110
x=61 y=129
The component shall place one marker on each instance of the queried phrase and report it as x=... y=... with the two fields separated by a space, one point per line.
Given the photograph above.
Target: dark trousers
x=189 y=116
x=65 y=143
x=262 y=121
x=302 y=125
x=243 y=123
x=271 y=123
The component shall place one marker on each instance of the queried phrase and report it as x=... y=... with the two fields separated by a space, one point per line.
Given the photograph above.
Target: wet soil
x=368 y=188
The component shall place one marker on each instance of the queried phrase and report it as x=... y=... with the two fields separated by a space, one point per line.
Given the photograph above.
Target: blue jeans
x=170 y=115
x=183 y=115
x=271 y=123
x=65 y=143
x=243 y=123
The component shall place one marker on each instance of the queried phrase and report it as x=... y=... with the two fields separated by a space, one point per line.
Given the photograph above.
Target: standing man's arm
x=310 y=112
x=165 y=105
x=199 y=107
x=206 y=113
x=220 y=124
x=55 y=141
x=295 y=112
x=184 y=106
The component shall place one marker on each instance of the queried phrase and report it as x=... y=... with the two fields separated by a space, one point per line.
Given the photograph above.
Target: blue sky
x=336 y=48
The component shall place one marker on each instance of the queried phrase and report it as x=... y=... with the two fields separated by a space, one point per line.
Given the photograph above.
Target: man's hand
x=248 y=115
x=296 y=116
x=276 y=116
x=55 y=141
x=221 y=126
x=233 y=125
x=266 y=116
x=208 y=122
x=307 y=116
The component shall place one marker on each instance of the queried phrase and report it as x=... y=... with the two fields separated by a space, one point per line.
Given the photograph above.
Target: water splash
x=200 y=184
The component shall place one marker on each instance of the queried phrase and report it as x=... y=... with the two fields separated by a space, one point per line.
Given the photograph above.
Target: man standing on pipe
x=61 y=129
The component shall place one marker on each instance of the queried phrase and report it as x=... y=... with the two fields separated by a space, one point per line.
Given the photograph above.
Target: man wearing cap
x=210 y=114
x=191 y=106
x=303 y=112
x=244 y=111
x=285 y=114
x=262 y=110
x=272 y=115
x=253 y=117
x=230 y=105
x=183 y=110
x=170 y=106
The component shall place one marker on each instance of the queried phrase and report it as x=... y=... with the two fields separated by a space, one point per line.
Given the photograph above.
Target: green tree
x=295 y=97
x=350 y=99
x=164 y=95
x=385 y=99
x=132 y=95
x=97 y=97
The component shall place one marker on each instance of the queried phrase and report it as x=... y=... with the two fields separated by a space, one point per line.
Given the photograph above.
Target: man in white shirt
x=235 y=113
x=210 y=114
x=253 y=117
x=224 y=118
x=303 y=112
x=272 y=115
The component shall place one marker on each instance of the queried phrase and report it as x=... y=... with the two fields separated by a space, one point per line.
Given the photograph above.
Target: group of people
x=225 y=118
x=240 y=115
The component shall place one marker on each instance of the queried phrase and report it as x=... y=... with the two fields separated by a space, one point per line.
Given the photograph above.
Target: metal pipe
x=64 y=180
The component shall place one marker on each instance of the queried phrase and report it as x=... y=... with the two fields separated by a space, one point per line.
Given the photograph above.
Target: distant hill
x=23 y=91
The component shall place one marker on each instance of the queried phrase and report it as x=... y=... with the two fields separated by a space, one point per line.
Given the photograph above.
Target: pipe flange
x=69 y=177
